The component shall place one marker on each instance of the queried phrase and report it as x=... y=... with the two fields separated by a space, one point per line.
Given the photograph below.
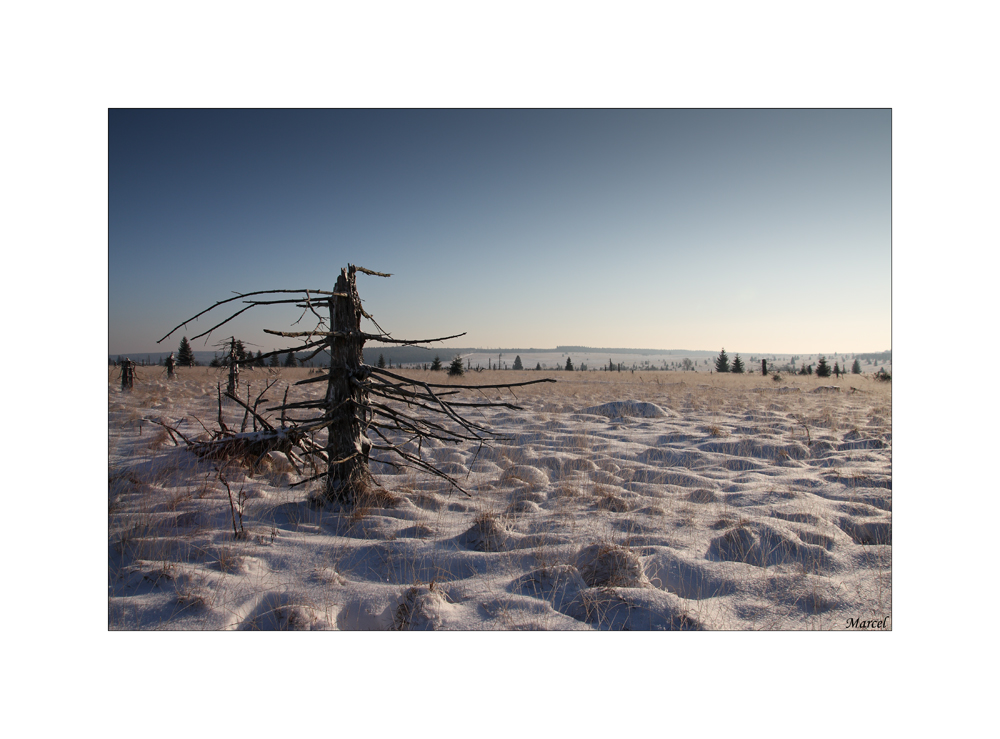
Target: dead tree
x=361 y=401
x=127 y=374
x=234 y=369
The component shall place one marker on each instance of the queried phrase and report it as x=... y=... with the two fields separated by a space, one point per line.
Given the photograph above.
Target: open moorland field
x=640 y=501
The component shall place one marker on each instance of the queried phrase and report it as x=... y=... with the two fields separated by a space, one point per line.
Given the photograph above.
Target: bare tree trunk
x=347 y=444
x=128 y=374
x=234 y=370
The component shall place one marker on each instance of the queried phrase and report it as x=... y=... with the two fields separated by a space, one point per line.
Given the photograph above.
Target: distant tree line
x=722 y=363
x=823 y=369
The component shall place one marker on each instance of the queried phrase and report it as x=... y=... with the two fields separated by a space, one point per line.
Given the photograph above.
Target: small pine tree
x=290 y=360
x=803 y=370
x=436 y=364
x=836 y=369
x=538 y=366
x=259 y=359
x=722 y=362
x=569 y=364
x=274 y=362
x=517 y=363
x=455 y=368
x=856 y=367
x=185 y=357
x=381 y=362
x=737 y=365
x=822 y=369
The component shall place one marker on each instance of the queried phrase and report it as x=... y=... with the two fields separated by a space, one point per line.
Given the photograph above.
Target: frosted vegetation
x=654 y=500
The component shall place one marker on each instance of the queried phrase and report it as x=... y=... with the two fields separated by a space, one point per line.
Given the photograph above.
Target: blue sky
x=756 y=230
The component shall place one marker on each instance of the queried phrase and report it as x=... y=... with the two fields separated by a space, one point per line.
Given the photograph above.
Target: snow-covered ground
x=654 y=500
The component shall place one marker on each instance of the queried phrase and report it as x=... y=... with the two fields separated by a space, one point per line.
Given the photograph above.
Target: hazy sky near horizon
x=754 y=230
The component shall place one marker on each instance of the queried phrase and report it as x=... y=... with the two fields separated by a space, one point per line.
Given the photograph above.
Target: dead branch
x=372 y=272
x=222 y=424
x=171 y=430
x=386 y=339
x=253 y=411
x=236 y=297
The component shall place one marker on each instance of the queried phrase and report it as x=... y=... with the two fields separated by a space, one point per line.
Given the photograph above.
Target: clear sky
x=753 y=230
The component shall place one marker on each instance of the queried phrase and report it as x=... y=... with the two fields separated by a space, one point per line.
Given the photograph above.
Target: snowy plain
x=621 y=501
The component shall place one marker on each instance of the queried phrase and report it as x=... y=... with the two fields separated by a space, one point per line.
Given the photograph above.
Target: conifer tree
x=822 y=369
x=275 y=362
x=436 y=364
x=259 y=359
x=569 y=364
x=517 y=363
x=538 y=366
x=290 y=360
x=737 y=365
x=722 y=362
x=856 y=367
x=185 y=357
x=381 y=361
x=455 y=368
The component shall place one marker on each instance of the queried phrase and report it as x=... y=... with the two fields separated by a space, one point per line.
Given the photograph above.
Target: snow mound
x=701 y=495
x=631 y=610
x=628 y=409
x=421 y=608
x=761 y=545
x=612 y=502
x=867 y=532
x=276 y=611
x=525 y=473
x=487 y=534
x=612 y=566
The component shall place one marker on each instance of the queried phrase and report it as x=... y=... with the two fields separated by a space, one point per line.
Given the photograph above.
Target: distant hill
x=601 y=350
x=876 y=356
